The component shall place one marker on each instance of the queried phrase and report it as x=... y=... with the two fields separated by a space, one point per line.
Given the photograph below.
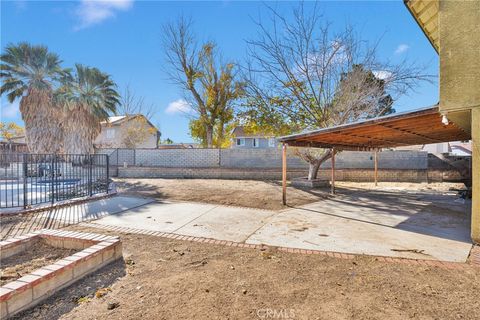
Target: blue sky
x=123 y=38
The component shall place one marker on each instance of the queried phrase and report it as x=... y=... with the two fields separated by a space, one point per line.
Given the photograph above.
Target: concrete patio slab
x=192 y=219
x=374 y=223
x=164 y=217
x=377 y=223
x=94 y=209
x=313 y=230
x=227 y=223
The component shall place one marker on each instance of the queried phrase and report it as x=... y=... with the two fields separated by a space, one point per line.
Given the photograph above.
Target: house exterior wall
x=476 y=175
x=459 y=55
x=112 y=136
x=459 y=30
x=263 y=143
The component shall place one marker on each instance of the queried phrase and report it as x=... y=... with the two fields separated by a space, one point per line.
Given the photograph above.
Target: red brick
x=31 y=279
x=5 y=293
x=17 y=286
x=44 y=273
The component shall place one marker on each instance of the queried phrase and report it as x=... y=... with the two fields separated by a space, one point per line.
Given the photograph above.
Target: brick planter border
x=96 y=251
x=474 y=258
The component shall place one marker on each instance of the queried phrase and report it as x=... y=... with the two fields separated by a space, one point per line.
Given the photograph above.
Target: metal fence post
x=25 y=173
x=108 y=171
x=52 y=173
x=90 y=189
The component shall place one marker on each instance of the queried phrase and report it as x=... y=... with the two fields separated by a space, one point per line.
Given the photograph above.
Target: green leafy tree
x=211 y=86
x=10 y=130
x=31 y=73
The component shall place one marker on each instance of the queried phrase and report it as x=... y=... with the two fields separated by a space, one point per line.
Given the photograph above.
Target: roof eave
x=406 y=3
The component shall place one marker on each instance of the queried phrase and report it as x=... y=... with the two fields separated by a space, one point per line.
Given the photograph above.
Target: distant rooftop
x=116 y=118
x=239 y=132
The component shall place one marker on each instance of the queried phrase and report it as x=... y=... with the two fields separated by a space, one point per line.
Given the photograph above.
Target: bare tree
x=302 y=75
x=132 y=104
x=210 y=85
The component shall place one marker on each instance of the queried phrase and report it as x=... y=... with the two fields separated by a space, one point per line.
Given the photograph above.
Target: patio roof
x=422 y=126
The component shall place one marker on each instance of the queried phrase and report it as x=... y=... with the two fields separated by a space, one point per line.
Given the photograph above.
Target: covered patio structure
x=423 y=126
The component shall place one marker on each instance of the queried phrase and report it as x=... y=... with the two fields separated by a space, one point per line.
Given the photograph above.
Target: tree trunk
x=220 y=134
x=81 y=129
x=314 y=166
x=209 y=136
x=43 y=127
x=313 y=170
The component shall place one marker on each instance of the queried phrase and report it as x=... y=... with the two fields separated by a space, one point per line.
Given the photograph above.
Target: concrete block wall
x=356 y=175
x=260 y=158
x=178 y=158
x=208 y=173
x=410 y=160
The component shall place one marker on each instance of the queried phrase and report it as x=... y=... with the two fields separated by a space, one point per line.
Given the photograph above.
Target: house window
x=240 y=142
x=256 y=142
x=110 y=133
x=271 y=142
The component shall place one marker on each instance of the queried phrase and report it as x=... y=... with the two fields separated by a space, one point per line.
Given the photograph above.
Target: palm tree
x=88 y=97
x=30 y=73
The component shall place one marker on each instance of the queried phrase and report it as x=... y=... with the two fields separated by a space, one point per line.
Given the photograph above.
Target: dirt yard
x=38 y=255
x=250 y=193
x=171 y=279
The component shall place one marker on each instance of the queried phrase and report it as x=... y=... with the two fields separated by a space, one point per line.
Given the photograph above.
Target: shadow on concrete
x=19 y=224
x=425 y=213
x=140 y=188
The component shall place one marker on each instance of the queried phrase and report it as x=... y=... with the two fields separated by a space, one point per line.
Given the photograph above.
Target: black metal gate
x=30 y=179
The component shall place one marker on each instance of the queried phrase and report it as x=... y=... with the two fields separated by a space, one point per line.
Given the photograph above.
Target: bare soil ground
x=170 y=279
x=40 y=254
x=250 y=193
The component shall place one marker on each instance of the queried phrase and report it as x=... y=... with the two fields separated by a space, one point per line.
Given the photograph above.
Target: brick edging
x=95 y=251
x=341 y=255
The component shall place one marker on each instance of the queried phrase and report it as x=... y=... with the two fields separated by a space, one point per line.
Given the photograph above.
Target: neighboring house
x=13 y=147
x=179 y=146
x=453 y=148
x=130 y=131
x=245 y=140
x=17 y=139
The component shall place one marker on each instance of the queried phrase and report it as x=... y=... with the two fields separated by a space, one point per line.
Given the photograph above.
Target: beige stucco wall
x=459 y=27
x=476 y=175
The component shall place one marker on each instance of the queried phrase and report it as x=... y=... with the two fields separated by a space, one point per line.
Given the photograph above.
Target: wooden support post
x=375 y=173
x=284 y=174
x=333 y=171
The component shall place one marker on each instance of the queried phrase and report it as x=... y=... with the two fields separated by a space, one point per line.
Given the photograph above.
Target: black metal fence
x=30 y=179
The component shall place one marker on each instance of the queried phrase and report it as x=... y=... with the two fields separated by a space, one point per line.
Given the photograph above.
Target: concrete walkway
x=384 y=224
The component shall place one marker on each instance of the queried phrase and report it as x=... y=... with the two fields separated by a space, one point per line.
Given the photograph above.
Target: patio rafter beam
x=389 y=142
x=412 y=133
